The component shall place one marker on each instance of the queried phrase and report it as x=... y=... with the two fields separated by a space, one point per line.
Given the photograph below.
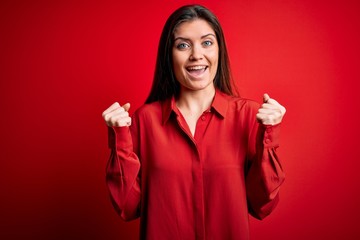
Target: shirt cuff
x=119 y=137
x=271 y=136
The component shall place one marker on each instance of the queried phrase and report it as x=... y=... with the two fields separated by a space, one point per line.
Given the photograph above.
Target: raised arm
x=265 y=173
x=123 y=165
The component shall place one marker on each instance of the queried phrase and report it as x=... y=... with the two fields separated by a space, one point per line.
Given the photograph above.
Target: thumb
x=126 y=106
x=266 y=98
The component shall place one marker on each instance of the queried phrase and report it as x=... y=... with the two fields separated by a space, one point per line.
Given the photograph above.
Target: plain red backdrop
x=63 y=62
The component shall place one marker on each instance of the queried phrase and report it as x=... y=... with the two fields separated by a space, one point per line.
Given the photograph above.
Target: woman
x=195 y=160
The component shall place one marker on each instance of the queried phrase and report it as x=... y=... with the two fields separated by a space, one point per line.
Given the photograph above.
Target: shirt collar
x=219 y=104
x=168 y=106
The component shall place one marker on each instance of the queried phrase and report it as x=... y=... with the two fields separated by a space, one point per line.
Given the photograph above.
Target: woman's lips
x=196 y=71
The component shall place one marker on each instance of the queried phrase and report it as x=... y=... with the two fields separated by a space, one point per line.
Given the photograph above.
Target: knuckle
x=117 y=122
x=122 y=123
x=114 y=121
x=106 y=117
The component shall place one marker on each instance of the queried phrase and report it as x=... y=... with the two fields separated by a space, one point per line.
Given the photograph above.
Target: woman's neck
x=195 y=102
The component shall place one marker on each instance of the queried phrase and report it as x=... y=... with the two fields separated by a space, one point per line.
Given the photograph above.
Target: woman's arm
x=265 y=173
x=122 y=171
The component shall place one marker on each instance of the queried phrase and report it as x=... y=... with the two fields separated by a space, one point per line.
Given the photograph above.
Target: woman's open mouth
x=196 y=71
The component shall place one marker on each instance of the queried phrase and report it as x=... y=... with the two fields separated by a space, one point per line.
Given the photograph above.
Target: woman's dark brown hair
x=164 y=84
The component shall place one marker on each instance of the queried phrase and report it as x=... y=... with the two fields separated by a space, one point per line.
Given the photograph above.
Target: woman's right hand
x=117 y=116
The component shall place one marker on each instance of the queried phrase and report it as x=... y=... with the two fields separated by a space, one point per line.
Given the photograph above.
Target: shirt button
x=203 y=118
x=268 y=130
x=267 y=140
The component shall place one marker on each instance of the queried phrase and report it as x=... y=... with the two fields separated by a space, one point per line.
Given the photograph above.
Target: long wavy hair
x=164 y=83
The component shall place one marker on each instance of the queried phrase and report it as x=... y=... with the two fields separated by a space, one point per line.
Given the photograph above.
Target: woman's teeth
x=196 y=68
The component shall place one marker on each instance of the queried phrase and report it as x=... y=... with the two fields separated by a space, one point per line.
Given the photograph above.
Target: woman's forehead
x=194 y=28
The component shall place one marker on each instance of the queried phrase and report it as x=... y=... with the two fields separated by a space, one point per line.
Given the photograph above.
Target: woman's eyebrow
x=204 y=36
x=209 y=34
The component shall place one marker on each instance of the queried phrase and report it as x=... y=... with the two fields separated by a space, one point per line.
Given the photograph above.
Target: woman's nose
x=196 y=53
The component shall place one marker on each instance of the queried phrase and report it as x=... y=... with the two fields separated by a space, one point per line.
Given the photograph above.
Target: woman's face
x=195 y=55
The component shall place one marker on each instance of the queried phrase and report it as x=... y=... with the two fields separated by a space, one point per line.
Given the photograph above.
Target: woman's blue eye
x=207 y=43
x=182 y=46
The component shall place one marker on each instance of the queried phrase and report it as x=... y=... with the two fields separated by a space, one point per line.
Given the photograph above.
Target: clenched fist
x=117 y=116
x=270 y=112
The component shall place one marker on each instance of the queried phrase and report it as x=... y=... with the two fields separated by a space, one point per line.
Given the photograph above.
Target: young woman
x=194 y=160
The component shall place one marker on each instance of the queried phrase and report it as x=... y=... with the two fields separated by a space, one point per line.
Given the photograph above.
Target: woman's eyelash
x=182 y=45
x=186 y=45
x=207 y=43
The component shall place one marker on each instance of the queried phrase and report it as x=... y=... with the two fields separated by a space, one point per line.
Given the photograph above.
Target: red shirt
x=200 y=187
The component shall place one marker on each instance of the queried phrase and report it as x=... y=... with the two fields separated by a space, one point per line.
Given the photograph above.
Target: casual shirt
x=195 y=187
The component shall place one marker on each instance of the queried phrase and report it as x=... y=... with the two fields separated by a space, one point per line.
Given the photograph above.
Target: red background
x=63 y=62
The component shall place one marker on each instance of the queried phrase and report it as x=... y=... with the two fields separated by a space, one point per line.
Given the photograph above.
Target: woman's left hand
x=270 y=112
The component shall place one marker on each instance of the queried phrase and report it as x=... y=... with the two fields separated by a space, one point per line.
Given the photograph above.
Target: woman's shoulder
x=238 y=103
x=148 y=109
